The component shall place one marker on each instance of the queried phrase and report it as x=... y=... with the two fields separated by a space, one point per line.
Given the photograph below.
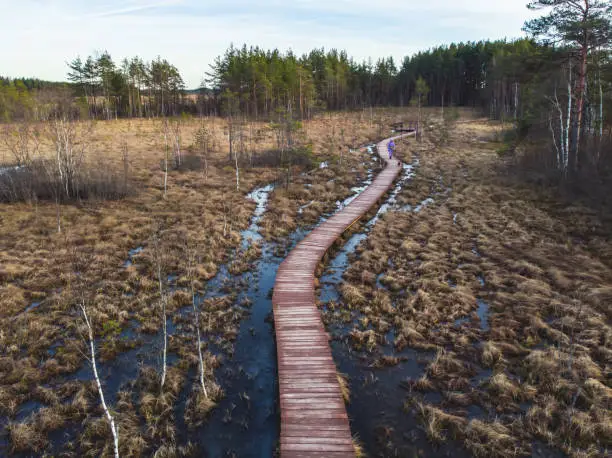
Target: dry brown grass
x=359 y=452
x=490 y=354
x=438 y=425
x=199 y=406
x=38 y=264
x=331 y=137
x=25 y=438
x=352 y=295
x=491 y=439
x=345 y=388
x=541 y=267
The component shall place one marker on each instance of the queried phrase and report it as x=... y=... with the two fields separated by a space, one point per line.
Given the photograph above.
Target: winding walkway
x=314 y=422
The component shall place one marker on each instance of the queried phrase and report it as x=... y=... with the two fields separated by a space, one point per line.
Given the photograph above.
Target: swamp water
x=246 y=421
x=377 y=396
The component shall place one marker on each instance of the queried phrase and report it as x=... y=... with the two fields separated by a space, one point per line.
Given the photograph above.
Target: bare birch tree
x=583 y=25
x=196 y=312
x=111 y=421
x=125 y=158
x=163 y=299
x=23 y=142
x=176 y=143
x=564 y=115
x=202 y=143
x=70 y=140
x=237 y=172
x=55 y=187
x=165 y=133
x=231 y=106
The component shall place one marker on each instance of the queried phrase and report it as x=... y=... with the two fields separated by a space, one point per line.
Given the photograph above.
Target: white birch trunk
x=568 y=120
x=177 y=144
x=164 y=324
x=600 y=105
x=562 y=149
x=237 y=172
x=516 y=100
x=109 y=417
x=196 y=312
x=552 y=132
x=165 y=158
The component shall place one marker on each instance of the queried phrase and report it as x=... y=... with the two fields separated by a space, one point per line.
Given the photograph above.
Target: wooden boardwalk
x=314 y=422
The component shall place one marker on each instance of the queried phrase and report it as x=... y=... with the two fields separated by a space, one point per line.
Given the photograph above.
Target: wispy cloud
x=191 y=33
x=133 y=7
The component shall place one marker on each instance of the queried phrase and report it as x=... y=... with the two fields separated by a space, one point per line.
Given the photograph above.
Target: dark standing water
x=246 y=422
x=377 y=407
x=32 y=306
x=483 y=314
x=131 y=254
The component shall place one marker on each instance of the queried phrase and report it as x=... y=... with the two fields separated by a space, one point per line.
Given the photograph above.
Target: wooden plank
x=314 y=422
x=316 y=447
x=316 y=439
x=315 y=454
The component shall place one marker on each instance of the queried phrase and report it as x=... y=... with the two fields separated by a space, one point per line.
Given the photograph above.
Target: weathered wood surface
x=314 y=422
x=406 y=126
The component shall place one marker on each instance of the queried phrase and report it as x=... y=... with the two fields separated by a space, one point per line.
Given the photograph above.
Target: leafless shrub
x=63 y=176
x=23 y=141
x=203 y=144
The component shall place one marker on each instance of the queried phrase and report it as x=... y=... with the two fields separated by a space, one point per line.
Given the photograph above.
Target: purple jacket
x=391 y=145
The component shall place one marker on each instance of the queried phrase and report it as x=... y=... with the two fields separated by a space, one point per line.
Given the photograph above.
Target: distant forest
x=556 y=84
x=491 y=75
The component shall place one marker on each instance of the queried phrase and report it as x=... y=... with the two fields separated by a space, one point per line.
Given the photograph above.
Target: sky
x=39 y=36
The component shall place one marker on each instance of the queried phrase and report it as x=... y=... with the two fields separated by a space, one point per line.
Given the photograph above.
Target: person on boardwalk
x=391 y=148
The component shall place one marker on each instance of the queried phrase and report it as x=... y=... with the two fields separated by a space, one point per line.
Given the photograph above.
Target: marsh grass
x=345 y=388
x=359 y=451
x=509 y=285
x=46 y=272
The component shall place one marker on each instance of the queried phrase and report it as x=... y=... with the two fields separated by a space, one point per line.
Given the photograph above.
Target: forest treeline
x=264 y=81
x=496 y=76
x=99 y=88
x=556 y=84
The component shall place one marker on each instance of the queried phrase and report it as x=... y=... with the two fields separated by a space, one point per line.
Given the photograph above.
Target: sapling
x=196 y=312
x=111 y=421
x=163 y=301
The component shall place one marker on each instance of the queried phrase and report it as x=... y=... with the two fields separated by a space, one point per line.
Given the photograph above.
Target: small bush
x=40 y=181
x=299 y=156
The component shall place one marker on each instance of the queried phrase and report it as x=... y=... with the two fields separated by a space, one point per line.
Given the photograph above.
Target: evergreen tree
x=581 y=25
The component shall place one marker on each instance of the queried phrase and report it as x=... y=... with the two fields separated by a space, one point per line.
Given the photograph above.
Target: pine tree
x=583 y=25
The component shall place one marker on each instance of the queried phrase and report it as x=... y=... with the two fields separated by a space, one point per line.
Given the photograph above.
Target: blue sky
x=39 y=36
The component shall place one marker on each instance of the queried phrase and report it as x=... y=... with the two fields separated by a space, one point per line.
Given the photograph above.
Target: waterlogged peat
x=242 y=362
x=246 y=421
x=376 y=395
x=480 y=297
